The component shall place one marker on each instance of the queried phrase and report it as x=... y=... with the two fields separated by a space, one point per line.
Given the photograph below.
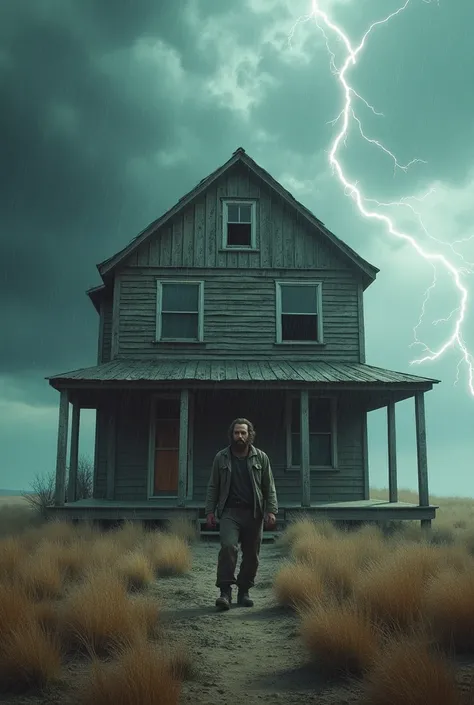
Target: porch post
x=421 y=449
x=392 y=452
x=60 y=489
x=190 y=480
x=304 y=430
x=111 y=452
x=74 y=453
x=183 y=446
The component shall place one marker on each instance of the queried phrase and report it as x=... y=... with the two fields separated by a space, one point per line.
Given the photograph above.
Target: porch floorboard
x=164 y=508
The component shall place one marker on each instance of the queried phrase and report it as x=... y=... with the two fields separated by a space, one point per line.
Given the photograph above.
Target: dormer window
x=239 y=224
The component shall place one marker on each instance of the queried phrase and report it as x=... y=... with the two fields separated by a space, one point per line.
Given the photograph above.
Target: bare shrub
x=44 y=487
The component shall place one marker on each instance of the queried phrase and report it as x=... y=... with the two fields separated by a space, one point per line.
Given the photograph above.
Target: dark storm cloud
x=78 y=108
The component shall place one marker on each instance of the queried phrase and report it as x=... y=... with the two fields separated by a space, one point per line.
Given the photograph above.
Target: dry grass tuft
x=306 y=527
x=145 y=611
x=331 y=558
x=30 y=658
x=169 y=555
x=40 y=576
x=449 y=607
x=139 y=675
x=97 y=614
x=340 y=636
x=393 y=589
x=16 y=516
x=55 y=530
x=183 y=527
x=365 y=546
x=182 y=663
x=15 y=607
x=407 y=671
x=12 y=554
x=71 y=560
x=297 y=584
x=136 y=569
x=105 y=551
x=129 y=535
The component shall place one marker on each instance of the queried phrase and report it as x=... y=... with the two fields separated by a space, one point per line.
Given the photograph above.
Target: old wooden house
x=236 y=302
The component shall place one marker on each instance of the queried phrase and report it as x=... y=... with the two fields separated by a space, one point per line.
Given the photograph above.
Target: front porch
x=149 y=465
x=367 y=510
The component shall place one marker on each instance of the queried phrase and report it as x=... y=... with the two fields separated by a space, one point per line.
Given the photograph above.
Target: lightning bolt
x=349 y=118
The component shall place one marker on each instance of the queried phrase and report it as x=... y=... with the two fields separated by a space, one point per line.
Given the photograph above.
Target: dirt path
x=245 y=655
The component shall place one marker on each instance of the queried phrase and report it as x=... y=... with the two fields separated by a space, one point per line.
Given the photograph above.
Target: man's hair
x=242 y=421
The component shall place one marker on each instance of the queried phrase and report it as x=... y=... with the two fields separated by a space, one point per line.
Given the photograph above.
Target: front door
x=166 y=452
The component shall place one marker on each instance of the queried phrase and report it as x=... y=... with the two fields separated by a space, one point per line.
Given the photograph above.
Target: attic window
x=239 y=224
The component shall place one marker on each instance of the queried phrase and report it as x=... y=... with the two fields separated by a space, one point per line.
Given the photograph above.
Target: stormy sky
x=111 y=110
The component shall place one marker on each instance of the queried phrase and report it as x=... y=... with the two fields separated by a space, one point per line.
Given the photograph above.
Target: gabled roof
x=95 y=294
x=240 y=156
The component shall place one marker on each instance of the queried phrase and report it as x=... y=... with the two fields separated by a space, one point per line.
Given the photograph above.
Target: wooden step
x=267 y=535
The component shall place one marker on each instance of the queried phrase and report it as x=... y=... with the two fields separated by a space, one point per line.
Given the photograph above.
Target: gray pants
x=239 y=526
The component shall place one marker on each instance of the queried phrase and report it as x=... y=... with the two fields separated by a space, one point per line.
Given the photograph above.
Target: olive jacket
x=263 y=483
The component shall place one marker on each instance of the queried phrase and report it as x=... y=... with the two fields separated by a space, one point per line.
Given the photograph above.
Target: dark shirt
x=241 y=488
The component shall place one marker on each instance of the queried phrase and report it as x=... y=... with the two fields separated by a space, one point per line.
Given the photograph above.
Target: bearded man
x=240 y=493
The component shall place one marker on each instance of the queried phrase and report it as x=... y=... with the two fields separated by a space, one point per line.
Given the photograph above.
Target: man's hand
x=211 y=520
x=270 y=520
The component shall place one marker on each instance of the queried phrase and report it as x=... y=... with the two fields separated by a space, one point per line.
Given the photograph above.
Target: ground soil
x=244 y=656
x=248 y=655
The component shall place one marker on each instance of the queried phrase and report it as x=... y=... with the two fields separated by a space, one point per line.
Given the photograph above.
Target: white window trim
x=253 y=224
x=296 y=468
x=159 y=299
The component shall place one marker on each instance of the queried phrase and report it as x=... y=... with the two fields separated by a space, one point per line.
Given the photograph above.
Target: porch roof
x=235 y=371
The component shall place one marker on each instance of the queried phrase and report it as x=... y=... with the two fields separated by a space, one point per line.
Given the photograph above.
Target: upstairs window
x=239 y=221
x=299 y=312
x=322 y=433
x=179 y=311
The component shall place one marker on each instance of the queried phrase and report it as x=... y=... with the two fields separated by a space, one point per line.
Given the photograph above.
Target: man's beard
x=240 y=444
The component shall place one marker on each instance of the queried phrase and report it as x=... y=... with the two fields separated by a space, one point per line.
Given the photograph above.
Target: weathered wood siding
x=213 y=412
x=266 y=411
x=107 y=307
x=239 y=288
x=131 y=453
x=239 y=315
x=131 y=469
x=194 y=237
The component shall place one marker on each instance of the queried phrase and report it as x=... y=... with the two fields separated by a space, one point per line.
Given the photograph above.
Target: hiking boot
x=243 y=599
x=224 y=599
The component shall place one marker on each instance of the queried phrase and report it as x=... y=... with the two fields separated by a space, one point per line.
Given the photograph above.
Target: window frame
x=253 y=224
x=319 y=312
x=159 y=311
x=290 y=396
